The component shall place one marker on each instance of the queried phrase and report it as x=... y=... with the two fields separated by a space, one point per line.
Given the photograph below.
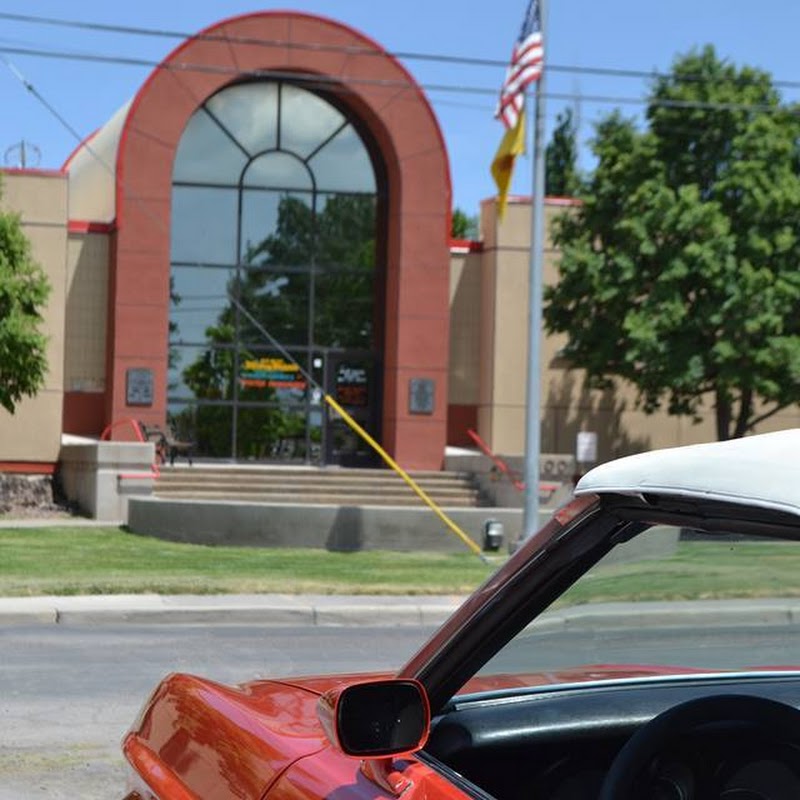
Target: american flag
x=525 y=67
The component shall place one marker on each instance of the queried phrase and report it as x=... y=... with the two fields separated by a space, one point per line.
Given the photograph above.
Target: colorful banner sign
x=271 y=373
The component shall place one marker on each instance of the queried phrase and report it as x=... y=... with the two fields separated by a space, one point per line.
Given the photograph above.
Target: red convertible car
x=686 y=553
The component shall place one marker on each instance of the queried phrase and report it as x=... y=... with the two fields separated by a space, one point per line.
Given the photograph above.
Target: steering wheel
x=781 y=721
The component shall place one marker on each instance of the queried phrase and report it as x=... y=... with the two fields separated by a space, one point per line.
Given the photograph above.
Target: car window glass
x=679 y=598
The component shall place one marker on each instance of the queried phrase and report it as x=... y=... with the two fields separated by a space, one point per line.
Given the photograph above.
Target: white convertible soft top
x=762 y=471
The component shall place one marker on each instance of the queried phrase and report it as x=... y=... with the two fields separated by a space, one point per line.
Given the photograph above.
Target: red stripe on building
x=86 y=226
x=27 y=467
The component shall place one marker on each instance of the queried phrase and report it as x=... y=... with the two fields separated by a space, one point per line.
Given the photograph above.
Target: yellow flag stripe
x=502 y=169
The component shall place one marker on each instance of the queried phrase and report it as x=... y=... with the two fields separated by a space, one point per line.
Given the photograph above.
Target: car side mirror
x=376 y=719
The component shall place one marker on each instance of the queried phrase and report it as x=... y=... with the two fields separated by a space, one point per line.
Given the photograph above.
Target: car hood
x=193 y=732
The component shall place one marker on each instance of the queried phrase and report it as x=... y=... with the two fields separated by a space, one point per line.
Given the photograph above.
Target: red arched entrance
x=382 y=94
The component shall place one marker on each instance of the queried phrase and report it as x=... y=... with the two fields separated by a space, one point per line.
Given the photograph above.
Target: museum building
x=266 y=221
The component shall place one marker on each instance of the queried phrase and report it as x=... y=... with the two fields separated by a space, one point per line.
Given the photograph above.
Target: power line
x=340 y=82
x=612 y=72
x=130 y=30
x=250 y=40
x=175 y=66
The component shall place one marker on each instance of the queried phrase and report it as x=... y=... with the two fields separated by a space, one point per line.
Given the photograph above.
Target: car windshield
x=674 y=597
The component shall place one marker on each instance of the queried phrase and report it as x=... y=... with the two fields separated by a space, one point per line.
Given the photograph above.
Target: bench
x=167 y=446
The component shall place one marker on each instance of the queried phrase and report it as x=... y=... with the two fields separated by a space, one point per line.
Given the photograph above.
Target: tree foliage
x=679 y=272
x=24 y=290
x=463 y=226
x=562 y=178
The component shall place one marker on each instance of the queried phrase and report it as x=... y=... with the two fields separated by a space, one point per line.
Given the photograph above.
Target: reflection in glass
x=204 y=223
x=199 y=297
x=208 y=426
x=276 y=228
x=346 y=230
x=272 y=433
x=279 y=302
x=307 y=121
x=343 y=164
x=263 y=256
x=206 y=154
x=348 y=289
x=249 y=112
x=206 y=373
x=279 y=170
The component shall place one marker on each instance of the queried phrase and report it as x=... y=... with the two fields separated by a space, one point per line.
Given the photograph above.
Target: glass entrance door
x=353 y=381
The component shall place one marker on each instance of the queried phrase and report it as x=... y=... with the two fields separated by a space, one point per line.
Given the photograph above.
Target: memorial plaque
x=139 y=387
x=421 y=395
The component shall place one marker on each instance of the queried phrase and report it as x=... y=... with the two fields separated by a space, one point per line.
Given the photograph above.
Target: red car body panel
x=199 y=739
x=196 y=738
x=330 y=774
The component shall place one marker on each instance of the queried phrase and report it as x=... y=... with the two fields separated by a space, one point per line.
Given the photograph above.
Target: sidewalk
x=262 y=609
x=354 y=610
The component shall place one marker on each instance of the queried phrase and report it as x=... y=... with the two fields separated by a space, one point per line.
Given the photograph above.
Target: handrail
x=504 y=468
x=137 y=431
x=497 y=461
x=125 y=420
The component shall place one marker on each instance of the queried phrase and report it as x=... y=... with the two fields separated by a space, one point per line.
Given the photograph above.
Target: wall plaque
x=139 y=387
x=421 y=395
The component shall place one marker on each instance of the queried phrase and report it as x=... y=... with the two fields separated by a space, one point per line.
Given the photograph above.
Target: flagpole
x=530 y=520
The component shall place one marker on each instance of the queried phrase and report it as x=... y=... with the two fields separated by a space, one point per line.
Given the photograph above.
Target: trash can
x=493 y=534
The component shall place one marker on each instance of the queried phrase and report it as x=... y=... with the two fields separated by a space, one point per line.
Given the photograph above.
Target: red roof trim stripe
x=27 y=467
x=46 y=173
x=87 y=226
x=466 y=246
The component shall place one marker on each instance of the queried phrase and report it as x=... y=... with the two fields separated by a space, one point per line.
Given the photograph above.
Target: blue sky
x=627 y=34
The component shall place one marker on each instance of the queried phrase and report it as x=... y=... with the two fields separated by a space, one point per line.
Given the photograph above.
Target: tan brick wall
x=465 y=328
x=33 y=432
x=87 y=303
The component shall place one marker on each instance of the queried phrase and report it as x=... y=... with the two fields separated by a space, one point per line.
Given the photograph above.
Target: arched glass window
x=274 y=275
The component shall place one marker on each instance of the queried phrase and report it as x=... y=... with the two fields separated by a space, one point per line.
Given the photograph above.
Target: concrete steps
x=303 y=486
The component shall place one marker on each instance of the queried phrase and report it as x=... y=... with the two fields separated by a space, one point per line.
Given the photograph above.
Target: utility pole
x=530 y=520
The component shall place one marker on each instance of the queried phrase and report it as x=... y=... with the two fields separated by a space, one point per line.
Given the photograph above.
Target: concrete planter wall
x=100 y=477
x=341 y=528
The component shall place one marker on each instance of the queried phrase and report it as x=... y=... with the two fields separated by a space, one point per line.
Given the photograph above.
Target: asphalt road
x=68 y=693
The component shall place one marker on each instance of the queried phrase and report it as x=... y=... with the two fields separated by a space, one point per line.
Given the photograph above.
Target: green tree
x=561 y=159
x=679 y=271
x=463 y=226
x=24 y=290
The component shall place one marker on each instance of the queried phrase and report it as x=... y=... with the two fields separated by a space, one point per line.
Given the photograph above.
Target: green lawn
x=699 y=571
x=108 y=560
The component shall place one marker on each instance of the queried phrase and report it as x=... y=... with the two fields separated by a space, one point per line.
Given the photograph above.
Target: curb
x=373 y=610
x=227 y=609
